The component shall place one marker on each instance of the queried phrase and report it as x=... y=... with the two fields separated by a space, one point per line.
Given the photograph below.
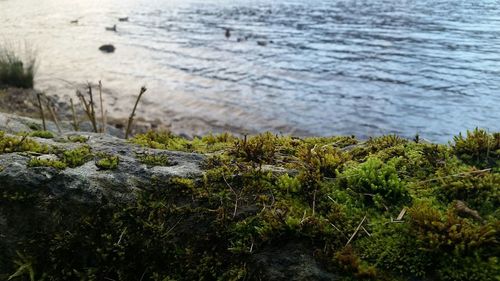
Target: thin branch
x=457 y=175
x=41 y=110
x=356 y=231
x=103 y=123
x=131 y=118
x=53 y=114
x=75 y=123
x=236 y=197
x=366 y=231
x=86 y=108
x=121 y=236
x=92 y=109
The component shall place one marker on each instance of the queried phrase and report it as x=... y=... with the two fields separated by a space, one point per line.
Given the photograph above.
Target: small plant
x=42 y=134
x=14 y=71
x=259 y=149
x=9 y=144
x=154 y=159
x=107 y=162
x=37 y=162
x=377 y=181
x=78 y=138
x=77 y=157
x=478 y=148
x=131 y=118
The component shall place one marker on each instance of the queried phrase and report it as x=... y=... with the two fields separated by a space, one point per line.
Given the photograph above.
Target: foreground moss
x=384 y=209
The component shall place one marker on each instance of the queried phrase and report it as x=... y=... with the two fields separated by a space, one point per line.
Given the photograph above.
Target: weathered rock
x=107 y=48
x=88 y=184
x=291 y=261
x=40 y=199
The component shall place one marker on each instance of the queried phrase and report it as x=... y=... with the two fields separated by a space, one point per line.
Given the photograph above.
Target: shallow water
x=329 y=67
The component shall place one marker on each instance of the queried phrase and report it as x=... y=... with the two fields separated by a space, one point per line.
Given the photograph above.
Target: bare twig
x=86 y=108
x=19 y=143
x=53 y=114
x=41 y=110
x=121 y=236
x=236 y=196
x=172 y=228
x=329 y=197
x=401 y=214
x=356 y=231
x=92 y=107
x=338 y=229
x=75 y=123
x=103 y=119
x=303 y=217
x=457 y=175
x=131 y=118
x=366 y=231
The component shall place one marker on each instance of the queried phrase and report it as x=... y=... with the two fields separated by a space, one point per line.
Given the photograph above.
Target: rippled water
x=329 y=67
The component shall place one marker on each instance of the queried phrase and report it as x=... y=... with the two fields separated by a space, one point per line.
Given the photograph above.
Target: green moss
x=77 y=138
x=14 y=71
x=37 y=162
x=154 y=159
x=377 y=182
x=42 y=134
x=336 y=197
x=77 y=157
x=107 y=162
x=9 y=144
x=35 y=126
x=478 y=148
x=166 y=140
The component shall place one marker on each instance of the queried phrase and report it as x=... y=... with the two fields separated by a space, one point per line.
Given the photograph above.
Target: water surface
x=329 y=67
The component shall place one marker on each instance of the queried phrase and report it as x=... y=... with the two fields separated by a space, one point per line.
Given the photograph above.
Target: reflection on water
x=327 y=67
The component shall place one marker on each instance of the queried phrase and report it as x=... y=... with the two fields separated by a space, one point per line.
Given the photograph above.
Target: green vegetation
x=153 y=159
x=9 y=144
x=15 y=72
x=77 y=157
x=77 y=138
x=37 y=162
x=168 y=141
x=385 y=209
x=107 y=162
x=42 y=134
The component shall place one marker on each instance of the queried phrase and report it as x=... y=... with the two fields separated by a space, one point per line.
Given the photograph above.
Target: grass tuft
x=16 y=71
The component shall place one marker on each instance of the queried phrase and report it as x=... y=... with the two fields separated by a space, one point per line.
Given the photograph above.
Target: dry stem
x=41 y=110
x=131 y=118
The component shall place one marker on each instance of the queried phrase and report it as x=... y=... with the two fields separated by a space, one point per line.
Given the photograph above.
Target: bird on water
x=113 y=28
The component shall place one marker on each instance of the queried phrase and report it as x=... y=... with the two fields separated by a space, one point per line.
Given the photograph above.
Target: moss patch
x=107 y=162
x=37 y=162
x=386 y=209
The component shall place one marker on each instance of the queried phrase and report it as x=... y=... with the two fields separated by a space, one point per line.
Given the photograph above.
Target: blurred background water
x=327 y=68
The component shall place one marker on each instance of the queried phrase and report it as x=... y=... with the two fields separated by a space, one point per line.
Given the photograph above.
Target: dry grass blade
x=356 y=231
x=52 y=113
x=75 y=123
x=92 y=108
x=86 y=108
x=103 y=119
x=41 y=110
x=131 y=118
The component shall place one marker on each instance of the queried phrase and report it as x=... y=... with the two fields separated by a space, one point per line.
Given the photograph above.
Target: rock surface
x=88 y=184
x=86 y=187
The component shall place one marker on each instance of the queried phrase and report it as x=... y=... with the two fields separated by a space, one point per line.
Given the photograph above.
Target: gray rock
x=107 y=48
x=87 y=184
